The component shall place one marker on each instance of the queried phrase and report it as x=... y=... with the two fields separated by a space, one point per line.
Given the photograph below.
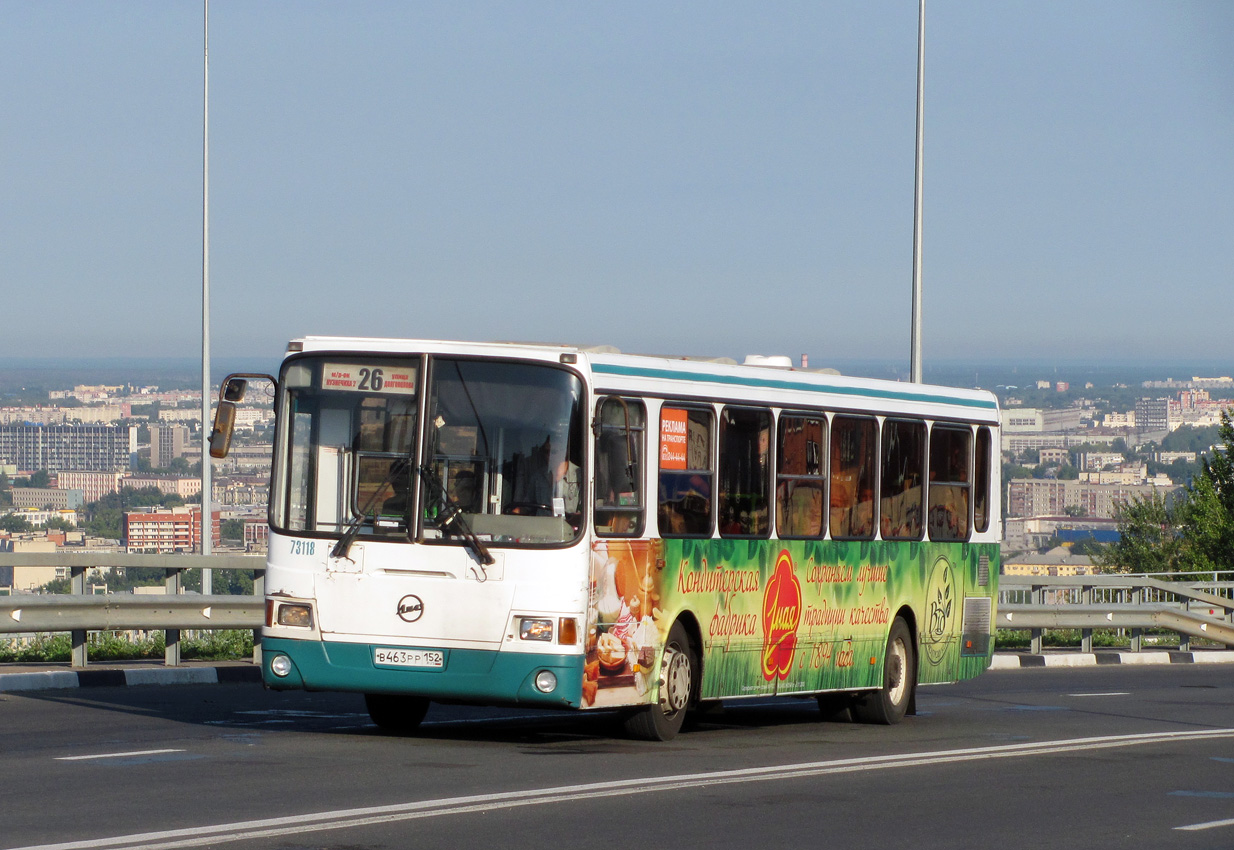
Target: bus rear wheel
x=889 y=703
x=397 y=713
x=662 y=720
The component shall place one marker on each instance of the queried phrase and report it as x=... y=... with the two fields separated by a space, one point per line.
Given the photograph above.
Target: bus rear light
x=535 y=629
x=567 y=631
x=300 y=616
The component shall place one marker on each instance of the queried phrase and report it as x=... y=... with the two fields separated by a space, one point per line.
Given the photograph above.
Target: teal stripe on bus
x=799 y=386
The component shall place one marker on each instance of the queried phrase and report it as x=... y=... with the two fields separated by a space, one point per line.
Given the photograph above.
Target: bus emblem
x=940 y=605
x=410 y=608
x=781 y=615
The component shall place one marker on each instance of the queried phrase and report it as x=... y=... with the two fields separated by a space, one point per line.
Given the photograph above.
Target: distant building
x=256 y=536
x=1097 y=461
x=38 y=516
x=166 y=531
x=93 y=485
x=68 y=447
x=166 y=442
x=1054 y=456
x=173 y=485
x=1152 y=414
x=1057 y=562
x=1034 y=497
x=1032 y=532
x=41 y=497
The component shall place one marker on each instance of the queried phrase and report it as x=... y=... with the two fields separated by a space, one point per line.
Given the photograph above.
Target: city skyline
x=702 y=180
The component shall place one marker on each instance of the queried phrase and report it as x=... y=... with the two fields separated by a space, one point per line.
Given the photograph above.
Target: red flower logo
x=781 y=615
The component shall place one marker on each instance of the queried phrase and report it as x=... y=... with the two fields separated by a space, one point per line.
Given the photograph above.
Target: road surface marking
x=117 y=755
x=351 y=818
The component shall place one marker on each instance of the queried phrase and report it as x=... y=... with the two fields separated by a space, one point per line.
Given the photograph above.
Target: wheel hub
x=674 y=681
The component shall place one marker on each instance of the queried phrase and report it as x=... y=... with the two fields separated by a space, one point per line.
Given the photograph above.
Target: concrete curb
x=43 y=680
x=1018 y=661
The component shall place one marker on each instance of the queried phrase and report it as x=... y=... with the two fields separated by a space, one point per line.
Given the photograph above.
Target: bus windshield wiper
x=450 y=516
x=343 y=546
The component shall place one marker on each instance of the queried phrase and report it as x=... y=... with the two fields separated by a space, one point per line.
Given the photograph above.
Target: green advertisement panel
x=780 y=617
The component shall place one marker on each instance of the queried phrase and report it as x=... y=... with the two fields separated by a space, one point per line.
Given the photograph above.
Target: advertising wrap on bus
x=782 y=617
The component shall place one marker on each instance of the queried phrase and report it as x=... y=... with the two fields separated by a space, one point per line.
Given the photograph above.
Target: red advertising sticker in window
x=674 y=429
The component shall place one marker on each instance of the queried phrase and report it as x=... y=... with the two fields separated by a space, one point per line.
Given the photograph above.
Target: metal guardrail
x=173 y=611
x=1033 y=603
x=1130 y=602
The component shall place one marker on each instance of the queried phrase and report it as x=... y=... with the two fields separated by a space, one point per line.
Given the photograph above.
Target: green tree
x=15 y=524
x=1195 y=533
x=232 y=529
x=58 y=524
x=1148 y=541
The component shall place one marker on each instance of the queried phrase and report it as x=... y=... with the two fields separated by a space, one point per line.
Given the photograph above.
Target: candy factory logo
x=781 y=615
x=410 y=608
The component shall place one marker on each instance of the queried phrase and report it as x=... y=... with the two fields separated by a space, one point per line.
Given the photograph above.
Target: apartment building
x=166 y=531
x=41 y=497
x=93 y=485
x=68 y=447
x=167 y=442
x=173 y=485
x=1049 y=497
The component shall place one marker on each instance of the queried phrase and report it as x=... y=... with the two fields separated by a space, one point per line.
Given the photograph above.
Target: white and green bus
x=562 y=527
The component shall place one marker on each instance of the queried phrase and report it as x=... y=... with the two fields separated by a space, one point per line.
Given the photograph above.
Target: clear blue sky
x=707 y=178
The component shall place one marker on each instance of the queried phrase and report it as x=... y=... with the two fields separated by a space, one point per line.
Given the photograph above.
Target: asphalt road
x=1052 y=758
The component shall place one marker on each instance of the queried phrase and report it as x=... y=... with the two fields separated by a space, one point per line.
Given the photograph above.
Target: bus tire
x=888 y=704
x=397 y=713
x=678 y=688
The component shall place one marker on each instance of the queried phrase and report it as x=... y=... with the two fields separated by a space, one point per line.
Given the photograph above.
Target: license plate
x=430 y=659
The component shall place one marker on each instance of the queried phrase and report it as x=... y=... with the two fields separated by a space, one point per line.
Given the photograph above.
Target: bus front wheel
x=889 y=703
x=661 y=721
x=396 y=713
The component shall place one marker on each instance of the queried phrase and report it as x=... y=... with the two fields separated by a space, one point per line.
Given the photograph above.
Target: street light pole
x=915 y=356
x=207 y=515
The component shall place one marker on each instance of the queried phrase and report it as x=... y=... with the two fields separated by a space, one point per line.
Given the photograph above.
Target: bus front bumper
x=475 y=676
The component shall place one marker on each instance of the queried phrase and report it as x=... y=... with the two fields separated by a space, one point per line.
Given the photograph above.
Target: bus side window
x=902 y=492
x=854 y=454
x=950 y=482
x=981 y=481
x=745 y=465
x=621 y=427
x=801 y=476
x=687 y=477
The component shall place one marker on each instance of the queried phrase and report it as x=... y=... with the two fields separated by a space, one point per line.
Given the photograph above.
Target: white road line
x=1111 y=694
x=117 y=755
x=1212 y=824
x=351 y=818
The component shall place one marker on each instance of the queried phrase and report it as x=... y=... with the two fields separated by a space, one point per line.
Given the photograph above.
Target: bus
x=574 y=528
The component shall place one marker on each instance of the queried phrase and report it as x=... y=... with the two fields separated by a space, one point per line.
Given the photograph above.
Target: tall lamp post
x=915 y=357
x=207 y=515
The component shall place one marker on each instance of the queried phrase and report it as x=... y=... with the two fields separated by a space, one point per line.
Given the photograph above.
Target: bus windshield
x=503 y=452
x=505 y=445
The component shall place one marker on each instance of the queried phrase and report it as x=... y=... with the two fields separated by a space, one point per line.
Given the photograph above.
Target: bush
x=224 y=645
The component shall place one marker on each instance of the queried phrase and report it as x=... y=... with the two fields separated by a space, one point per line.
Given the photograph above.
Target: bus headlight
x=296 y=615
x=535 y=629
x=280 y=665
x=546 y=681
